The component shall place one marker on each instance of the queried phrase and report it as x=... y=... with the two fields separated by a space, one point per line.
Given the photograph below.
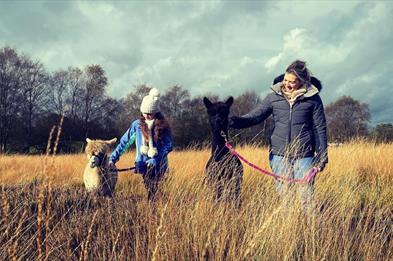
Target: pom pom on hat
x=150 y=103
x=154 y=92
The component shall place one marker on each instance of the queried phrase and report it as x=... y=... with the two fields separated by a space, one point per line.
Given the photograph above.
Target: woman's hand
x=321 y=167
x=233 y=122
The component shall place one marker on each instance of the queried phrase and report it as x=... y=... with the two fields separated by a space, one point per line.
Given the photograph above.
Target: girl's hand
x=112 y=165
x=151 y=162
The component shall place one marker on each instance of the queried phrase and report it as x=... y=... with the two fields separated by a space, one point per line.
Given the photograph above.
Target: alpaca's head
x=218 y=113
x=97 y=150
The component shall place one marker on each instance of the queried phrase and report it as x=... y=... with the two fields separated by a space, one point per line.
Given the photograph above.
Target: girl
x=153 y=141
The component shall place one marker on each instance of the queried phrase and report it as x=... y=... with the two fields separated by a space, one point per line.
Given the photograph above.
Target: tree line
x=33 y=100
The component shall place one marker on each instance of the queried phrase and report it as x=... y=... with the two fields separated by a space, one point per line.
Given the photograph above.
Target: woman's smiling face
x=291 y=82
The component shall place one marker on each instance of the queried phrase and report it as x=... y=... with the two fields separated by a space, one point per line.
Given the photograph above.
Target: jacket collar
x=311 y=90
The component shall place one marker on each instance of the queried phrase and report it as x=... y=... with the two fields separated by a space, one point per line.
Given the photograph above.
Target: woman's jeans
x=294 y=168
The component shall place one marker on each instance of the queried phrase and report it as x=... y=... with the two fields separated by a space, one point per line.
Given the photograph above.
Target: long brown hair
x=161 y=125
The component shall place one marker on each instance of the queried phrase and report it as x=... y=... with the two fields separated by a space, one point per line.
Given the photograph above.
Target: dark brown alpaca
x=224 y=171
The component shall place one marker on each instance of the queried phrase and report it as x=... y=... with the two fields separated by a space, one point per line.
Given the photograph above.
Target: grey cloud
x=38 y=23
x=206 y=46
x=334 y=25
x=370 y=57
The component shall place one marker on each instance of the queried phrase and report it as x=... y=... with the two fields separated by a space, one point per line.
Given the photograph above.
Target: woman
x=153 y=142
x=298 y=141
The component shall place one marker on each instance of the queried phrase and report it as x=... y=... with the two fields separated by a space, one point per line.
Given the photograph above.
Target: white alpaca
x=97 y=177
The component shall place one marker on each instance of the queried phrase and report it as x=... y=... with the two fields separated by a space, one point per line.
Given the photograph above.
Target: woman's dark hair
x=299 y=68
x=161 y=126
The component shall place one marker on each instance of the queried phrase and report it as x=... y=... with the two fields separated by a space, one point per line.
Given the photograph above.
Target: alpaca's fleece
x=97 y=177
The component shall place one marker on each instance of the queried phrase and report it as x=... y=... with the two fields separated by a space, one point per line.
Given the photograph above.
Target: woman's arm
x=126 y=141
x=257 y=115
x=319 y=120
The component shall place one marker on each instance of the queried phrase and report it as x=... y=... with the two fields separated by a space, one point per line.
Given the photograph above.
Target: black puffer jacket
x=300 y=130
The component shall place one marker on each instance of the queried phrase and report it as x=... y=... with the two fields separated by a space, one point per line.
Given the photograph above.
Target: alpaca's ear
x=88 y=140
x=112 y=141
x=207 y=102
x=229 y=102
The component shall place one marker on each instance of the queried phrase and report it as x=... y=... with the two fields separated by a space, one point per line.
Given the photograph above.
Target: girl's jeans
x=294 y=168
x=152 y=176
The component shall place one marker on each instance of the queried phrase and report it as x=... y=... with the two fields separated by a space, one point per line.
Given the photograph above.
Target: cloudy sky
x=221 y=47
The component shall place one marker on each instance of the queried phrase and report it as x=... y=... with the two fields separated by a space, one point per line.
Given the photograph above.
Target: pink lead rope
x=306 y=179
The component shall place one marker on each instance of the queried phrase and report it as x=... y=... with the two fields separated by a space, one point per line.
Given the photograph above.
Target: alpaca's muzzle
x=96 y=160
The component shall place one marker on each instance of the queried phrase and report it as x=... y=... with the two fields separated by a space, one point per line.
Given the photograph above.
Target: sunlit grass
x=352 y=217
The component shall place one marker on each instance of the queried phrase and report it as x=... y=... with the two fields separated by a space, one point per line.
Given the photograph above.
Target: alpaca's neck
x=218 y=144
x=104 y=161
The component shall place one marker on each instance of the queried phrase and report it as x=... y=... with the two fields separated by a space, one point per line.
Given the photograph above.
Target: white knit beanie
x=150 y=103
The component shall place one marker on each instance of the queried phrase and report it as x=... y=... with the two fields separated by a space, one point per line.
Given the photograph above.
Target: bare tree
x=110 y=117
x=132 y=104
x=259 y=134
x=34 y=88
x=10 y=96
x=66 y=92
x=57 y=97
x=173 y=100
x=193 y=128
x=76 y=81
x=347 y=118
x=92 y=94
x=383 y=133
x=245 y=103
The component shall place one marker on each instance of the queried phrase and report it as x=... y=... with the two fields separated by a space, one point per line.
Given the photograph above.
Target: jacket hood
x=315 y=87
x=314 y=81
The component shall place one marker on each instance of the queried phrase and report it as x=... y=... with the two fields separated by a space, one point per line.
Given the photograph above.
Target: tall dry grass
x=46 y=214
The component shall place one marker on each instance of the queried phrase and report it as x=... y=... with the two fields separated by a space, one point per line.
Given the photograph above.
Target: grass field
x=45 y=213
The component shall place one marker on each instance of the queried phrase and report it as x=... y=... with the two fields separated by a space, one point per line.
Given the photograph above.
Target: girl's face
x=291 y=82
x=148 y=116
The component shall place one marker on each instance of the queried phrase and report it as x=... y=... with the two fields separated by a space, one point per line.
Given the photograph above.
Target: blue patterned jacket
x=134 y=134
